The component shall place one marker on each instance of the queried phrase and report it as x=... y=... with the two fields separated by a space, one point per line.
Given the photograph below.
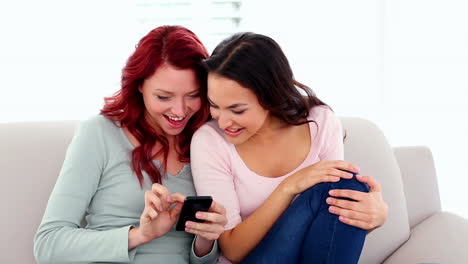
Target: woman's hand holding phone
x=214 y=221
x=208 y=231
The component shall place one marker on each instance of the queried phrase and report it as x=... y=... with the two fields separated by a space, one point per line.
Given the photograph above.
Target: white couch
x=417 y=231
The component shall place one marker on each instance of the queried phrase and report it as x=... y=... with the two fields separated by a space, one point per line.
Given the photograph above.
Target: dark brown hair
x=257 y=62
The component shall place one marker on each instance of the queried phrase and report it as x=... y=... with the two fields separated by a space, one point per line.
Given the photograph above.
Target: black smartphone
x=192 y=205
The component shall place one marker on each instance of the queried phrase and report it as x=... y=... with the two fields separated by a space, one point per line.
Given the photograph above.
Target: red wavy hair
x=172 y=45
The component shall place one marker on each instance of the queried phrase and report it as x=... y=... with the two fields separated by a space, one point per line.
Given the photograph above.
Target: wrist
x=202 y=246
x=286 y=189
x=136 y=238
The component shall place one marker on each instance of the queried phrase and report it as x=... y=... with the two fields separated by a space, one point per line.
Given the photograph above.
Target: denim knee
x=350 y=184
x=320 y=191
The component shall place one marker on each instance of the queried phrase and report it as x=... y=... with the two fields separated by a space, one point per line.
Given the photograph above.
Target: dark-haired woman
x=138 y=147
x=274 y=159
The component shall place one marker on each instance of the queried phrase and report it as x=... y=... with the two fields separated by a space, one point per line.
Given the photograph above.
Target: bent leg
x=329 y=240
x=307 y=232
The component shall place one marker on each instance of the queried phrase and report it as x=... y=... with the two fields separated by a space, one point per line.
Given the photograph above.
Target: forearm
x=71 y=245
x=239 y=241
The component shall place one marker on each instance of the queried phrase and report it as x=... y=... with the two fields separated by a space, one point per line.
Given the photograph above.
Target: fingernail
x=188 y=224
x=331 y=192
x=199 y=215
x=329 y=200
x=168 y=198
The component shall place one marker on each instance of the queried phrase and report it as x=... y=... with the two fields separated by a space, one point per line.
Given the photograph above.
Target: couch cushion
x=367 y=147
x=31 y=155
x=441 y=238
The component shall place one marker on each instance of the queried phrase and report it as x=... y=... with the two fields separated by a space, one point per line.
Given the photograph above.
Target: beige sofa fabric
x=442 y=238
x=31 y=155
x=420 y=181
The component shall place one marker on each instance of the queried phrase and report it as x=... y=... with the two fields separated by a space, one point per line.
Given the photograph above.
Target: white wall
x=426 y=87
x=402 y=64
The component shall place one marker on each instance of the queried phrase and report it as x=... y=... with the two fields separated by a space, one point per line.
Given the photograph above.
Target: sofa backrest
x=31 y=155
x=420 y=181
x=367 y=147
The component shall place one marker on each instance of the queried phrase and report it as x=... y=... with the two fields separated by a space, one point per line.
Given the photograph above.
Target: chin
x=235 y=141
x=173 y=132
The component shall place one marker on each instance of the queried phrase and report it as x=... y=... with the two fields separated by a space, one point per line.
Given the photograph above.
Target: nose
x=179 y=108
x=224 y=121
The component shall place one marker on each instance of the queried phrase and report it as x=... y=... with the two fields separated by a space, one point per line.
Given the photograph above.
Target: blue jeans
x=308 y=233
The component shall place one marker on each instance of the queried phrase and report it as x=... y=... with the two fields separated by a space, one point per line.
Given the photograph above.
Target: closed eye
x=238 y=112
x=163 y=98
x=196 y=95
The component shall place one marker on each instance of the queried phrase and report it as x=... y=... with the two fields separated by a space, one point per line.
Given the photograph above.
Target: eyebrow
x=171 y=93
x=230 y=107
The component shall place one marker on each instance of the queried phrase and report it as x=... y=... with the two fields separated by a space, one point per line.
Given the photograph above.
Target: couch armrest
x=420 y=182
x=441 y=238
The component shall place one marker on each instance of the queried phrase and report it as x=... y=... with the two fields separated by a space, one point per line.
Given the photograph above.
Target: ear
x=140 y=88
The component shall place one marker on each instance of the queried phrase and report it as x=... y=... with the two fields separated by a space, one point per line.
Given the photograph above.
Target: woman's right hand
x=322 y=171
x=158 y=217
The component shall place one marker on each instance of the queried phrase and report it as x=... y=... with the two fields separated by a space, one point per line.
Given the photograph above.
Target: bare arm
x=239 y=241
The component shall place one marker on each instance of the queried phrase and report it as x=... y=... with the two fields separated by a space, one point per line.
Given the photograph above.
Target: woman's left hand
x=215 y=220
x=208 y=231
x=368 y=210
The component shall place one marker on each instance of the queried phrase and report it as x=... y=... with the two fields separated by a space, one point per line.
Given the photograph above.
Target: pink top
x=219 y=171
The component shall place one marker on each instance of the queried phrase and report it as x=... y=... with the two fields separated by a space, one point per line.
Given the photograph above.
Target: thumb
x=373 y=184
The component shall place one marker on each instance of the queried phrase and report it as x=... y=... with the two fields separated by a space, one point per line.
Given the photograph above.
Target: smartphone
x=192 y=205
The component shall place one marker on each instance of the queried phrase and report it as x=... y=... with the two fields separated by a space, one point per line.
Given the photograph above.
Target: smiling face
x=171 y=97
x=236 y=109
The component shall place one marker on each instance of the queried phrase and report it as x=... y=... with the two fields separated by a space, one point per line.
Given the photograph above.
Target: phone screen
x=192 y=205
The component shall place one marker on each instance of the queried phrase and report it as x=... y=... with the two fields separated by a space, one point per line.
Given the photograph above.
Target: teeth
x=233 y=130
x=176 y=118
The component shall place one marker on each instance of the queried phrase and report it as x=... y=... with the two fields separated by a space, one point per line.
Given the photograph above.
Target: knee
x=351 y=184
x=317 y=192
x=354 y=184
x=321 y=190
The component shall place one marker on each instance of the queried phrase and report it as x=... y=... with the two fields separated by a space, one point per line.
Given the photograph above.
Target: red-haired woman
x=138 y=147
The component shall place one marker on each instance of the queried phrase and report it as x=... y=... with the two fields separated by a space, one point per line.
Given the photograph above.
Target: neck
x=271 y=128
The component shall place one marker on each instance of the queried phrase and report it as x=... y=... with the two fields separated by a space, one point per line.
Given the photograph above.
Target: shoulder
x=98 y=129
x=321 y=113
x=210 y=137
x=97 y=124
x=326 y=120
x=209 y=132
